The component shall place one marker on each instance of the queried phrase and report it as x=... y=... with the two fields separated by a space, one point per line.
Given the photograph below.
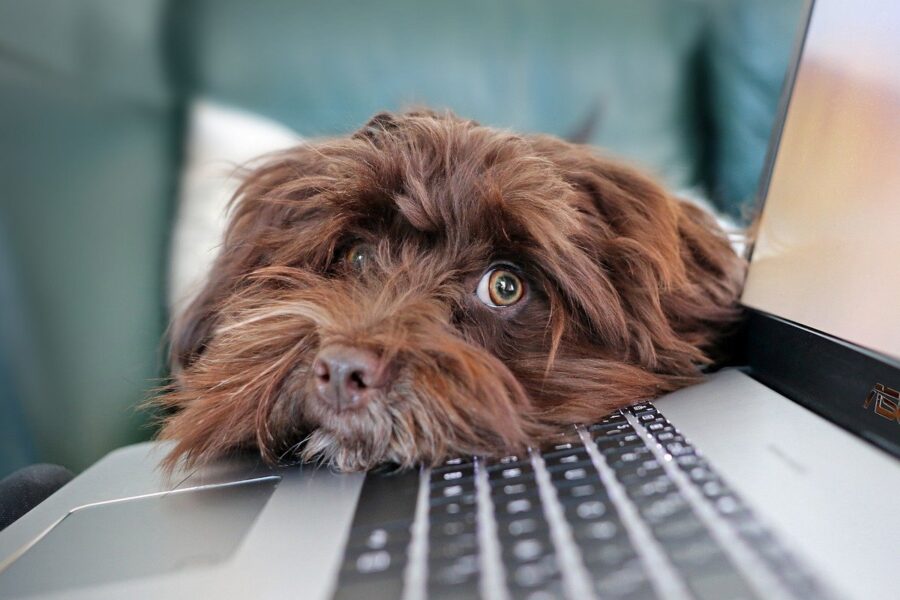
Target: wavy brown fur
x=628 y=289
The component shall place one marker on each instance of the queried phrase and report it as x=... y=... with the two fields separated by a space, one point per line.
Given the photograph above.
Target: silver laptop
x=775 y=479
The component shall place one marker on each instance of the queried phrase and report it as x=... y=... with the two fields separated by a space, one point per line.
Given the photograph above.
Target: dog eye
x=500 y=287
x=358 y=255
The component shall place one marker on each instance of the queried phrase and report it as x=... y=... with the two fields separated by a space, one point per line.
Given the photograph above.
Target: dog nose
x=345 y=376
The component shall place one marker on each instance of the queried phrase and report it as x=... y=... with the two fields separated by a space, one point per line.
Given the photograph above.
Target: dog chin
x=348 y=441
x=341 y=451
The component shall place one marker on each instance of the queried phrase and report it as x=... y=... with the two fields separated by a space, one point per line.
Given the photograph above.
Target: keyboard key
x=697 y=553
x=524 y=463
x=528 y=549
x=377 y=538
x=505 y=493
x=454 y=571
x=719 y=585
x=623 y=458
x=463 y=498
x=627 y=581
x=657 y=510
x=459 y=460
x=518 y=508
x=511 y=472
x=523 y=525
x=575 y=474
x=454 y=464
x=457 y=591
x=613 y=419
x=701 y=474
x=728 y=505
x=534 y=574
x=567 y=441
x=612 y=443
x=586 y=510
x=606 y=555
x=452 y=528
x=713 y=489
x=453 y=473
x=500 y=482
x=613 y=430
x=637 y=474
x=370 y=588
x=605 y=530
x=456 y=489
x=373 y=561
x=678 y=529
x=652 y=487
x=678 y=448
x=452 y=548
x=565 y=456
x=452 y=510
x=568 y=494
x=585 y=464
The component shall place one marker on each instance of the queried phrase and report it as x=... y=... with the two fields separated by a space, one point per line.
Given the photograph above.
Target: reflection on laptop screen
x=829 y=241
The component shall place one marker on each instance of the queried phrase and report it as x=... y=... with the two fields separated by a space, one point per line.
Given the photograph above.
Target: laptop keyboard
x=623 y=509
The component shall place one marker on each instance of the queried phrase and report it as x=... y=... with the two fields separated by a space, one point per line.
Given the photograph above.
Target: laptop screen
x=828 y=250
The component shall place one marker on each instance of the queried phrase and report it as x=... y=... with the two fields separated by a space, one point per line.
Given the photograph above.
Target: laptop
x=776 y=478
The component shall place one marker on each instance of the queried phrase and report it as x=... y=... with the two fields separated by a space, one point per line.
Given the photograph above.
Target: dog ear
x=191 y=330
x=268 y=201
x=385 y=123
x=378 y=125
x=671 y=265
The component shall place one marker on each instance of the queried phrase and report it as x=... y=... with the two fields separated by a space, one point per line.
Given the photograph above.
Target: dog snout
x=346 y=376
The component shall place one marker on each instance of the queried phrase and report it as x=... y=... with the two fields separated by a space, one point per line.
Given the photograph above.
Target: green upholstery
x=743 y=92
x=89 y=145
x=324 y=67
x=92 y=97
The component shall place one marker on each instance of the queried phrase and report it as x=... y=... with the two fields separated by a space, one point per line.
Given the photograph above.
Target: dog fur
x=627 y=292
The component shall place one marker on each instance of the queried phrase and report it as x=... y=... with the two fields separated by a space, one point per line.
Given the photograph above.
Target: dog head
x=430 y=286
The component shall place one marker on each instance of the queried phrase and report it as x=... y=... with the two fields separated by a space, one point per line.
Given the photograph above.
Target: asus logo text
x=886 y=400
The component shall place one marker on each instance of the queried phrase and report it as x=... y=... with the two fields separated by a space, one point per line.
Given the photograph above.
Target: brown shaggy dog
x=430 y=287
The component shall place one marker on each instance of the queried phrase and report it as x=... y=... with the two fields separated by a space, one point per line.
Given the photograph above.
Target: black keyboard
x=623 y=509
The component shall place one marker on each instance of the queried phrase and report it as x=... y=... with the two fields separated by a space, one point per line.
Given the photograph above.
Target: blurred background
x=105 y=110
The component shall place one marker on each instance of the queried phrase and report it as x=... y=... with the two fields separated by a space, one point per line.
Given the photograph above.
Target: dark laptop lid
x=824 y=280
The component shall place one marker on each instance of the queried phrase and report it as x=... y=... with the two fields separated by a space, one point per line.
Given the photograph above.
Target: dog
x=430 y=287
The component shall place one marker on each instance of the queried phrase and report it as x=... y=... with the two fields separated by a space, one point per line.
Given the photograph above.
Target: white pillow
x=220 y=140
x=737 y=234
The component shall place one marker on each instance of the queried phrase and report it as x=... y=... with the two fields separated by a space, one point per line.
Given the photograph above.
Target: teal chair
x=93 y=97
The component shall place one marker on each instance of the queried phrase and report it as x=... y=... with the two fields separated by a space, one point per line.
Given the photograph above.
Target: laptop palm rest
x=111 y=541
x=825 y=491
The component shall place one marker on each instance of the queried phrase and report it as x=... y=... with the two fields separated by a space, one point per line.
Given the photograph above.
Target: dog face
x=429 y=287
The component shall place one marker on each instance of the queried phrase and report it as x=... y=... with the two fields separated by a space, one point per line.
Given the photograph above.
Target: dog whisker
x=293 y=448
